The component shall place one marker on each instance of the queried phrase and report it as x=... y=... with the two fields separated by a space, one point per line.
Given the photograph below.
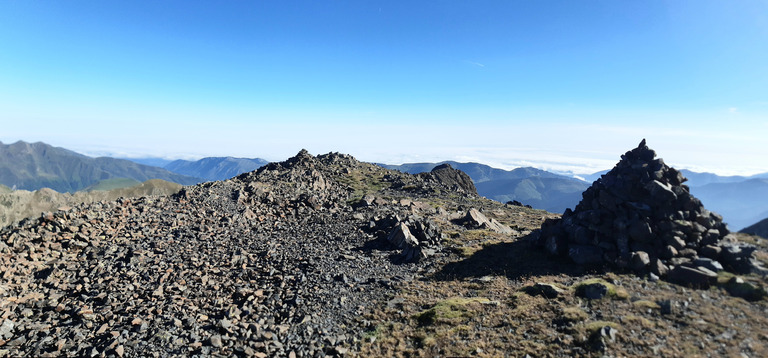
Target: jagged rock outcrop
x=415 y=236
x=446 y=175
x=640 y=216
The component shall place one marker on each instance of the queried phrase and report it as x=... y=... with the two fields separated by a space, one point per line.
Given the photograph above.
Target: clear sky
x=560 y=85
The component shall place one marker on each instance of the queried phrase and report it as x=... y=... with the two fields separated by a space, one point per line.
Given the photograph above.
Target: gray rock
x=708 y=263
x=660 y=191
x=665 y=306
x=668 y=252
x=594 y=291
x=401 y=237
x=710 y=251
x=639 y=260
x=675 y=241
x=476 y=219
x=215 y=341
x=659 y=268
x=609 y=333
x=699 y=276
x=7 y=329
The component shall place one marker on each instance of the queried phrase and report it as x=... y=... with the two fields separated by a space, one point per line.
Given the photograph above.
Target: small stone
x=609 y=333
x=120 y=350
x=215 y=341
x=102 y=329
x=6 y=330
x=665 y=306
x=225 y=324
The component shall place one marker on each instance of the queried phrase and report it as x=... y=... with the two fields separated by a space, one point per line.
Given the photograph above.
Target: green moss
x=363 y=183
x=372 y=335
x=723 y=277
x=614 y=292
x=450 y=310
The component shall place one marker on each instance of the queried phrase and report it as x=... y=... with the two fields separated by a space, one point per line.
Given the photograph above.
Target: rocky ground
x=315 y=256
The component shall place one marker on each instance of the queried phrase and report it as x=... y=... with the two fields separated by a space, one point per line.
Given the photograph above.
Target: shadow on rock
x=516 y=260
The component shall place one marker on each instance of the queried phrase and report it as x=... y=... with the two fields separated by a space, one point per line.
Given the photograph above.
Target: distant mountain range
x=208 y=168
x=530 y=186
x=215 y=168
x=32 y=166
x=741 y=200
x=740 y=203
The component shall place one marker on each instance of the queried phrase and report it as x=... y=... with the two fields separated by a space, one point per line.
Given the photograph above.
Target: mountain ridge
x=32 y=166
x=215 y=168
x=759 y=228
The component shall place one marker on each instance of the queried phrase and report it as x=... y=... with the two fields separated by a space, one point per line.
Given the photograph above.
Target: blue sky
x=561 y=85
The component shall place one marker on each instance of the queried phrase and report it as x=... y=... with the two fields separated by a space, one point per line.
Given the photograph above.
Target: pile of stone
x=640 y=216
x=416 y=237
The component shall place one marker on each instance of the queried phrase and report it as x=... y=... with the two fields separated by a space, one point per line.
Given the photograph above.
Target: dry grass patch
x=646 y=305
x=574 y=314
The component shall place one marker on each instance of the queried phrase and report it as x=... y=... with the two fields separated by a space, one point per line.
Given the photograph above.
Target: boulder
x=401 y=237
x=690 y=276
x=476 y=220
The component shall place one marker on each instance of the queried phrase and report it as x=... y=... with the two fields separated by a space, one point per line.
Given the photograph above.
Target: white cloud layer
x=575 y=148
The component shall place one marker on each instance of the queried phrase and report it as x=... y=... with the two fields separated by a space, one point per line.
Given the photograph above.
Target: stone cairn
x=640 y=216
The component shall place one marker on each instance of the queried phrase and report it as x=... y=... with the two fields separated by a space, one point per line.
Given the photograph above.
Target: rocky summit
x=328 y=256
x=640 y=216
x=281 y=261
